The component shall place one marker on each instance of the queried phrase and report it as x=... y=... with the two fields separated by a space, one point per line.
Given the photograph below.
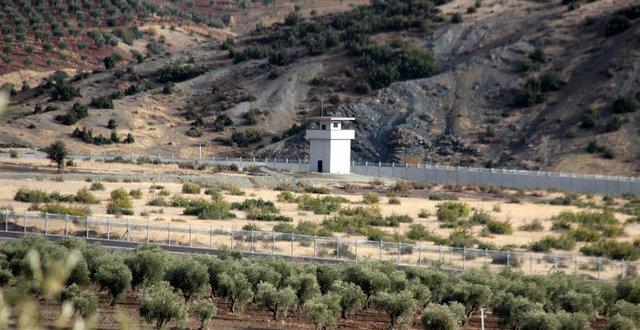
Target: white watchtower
x=330 y=145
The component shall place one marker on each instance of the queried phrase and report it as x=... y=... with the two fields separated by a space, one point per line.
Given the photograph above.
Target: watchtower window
x=335 y=125
x=324 y=127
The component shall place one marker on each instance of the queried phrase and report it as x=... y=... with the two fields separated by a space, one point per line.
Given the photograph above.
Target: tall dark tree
x=57 y=152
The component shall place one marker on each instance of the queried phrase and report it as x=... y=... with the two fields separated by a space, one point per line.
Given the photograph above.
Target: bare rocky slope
x=472 y=111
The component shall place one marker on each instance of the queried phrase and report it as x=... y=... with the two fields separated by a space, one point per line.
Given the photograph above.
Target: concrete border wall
x=600 y=184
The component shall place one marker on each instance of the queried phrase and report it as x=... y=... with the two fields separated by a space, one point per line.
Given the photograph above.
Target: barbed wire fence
x=337 y=249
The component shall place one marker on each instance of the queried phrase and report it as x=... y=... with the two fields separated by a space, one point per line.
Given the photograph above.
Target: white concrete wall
x=319 y=150
x=340 y=156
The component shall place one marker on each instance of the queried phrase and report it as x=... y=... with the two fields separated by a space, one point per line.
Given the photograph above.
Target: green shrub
x=626 y=309
x=370 y=198
x=148 y=265
x=214 y=210
x=320 y=205
x=394 y=201
x=83 y=196
x=158 y=201
x=549 y=242
x=251 y=227
x=95 y=186
x=462 y=238
x=499 y=227
x=452 y=212
x=316 y=190
x=253 y=203
x=419 y=232
x=286 y=197
x=613 y=249
x=424 y=213
x=625 y=104
x=101 y=102
x=191 y=188
x=120 y=203
x=67 y=210
x=534 y=225
x=31 y=196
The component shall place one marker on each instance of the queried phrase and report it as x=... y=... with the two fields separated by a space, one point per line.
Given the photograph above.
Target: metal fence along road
x=520 y=179
x=335 y=249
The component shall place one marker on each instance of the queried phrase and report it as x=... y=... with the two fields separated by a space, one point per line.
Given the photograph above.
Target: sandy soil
x=517 y=214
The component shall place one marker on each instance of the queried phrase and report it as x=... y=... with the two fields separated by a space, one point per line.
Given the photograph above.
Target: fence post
x=147 y=231
x=315 y=249
x=356 y=246
x=210 y=237
x=273 y=243
x=169 y=233
x=508 y=257
x=464 y=258
x=338 y=248
x=622 y=268
x=6 y=220
x=530 y=262
x=380 y=249
x=599 y=267
x=24 y=221
x=575 y=264
x=419 y=254
x=399 y=249
x=190 y=231
x=440 y=254
x=252 y=248
x=233 y=237
x=86 y=223
x=108 y=228
x=66 y=225
x=46 y=223
x=292 y=245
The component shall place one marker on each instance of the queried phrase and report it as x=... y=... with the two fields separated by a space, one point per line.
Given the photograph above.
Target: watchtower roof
x=324 y=118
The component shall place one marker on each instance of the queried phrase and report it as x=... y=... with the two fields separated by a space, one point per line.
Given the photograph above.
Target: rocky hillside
x=523 y=84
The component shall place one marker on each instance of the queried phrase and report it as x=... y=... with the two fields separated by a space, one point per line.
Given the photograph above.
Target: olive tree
x=235 y=288
x=305 y=286
x=323 y=310
x=85 y=304
x=148 y=265
x=114 y=276
x=274 y=299
x=204 y=310
x=441 y=317
x=351 y=297
x=189 y=276
x=539 y=320
x=159 y=304
x=396 y=305
x=57 y=152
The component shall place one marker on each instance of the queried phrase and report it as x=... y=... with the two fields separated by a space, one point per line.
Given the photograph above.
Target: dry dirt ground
x=498 y=207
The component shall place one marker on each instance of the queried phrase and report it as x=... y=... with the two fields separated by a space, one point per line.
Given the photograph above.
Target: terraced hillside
x=486 y=83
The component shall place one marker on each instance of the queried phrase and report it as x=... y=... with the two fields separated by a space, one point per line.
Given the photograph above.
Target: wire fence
x=519 y=179
x=310 y=247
